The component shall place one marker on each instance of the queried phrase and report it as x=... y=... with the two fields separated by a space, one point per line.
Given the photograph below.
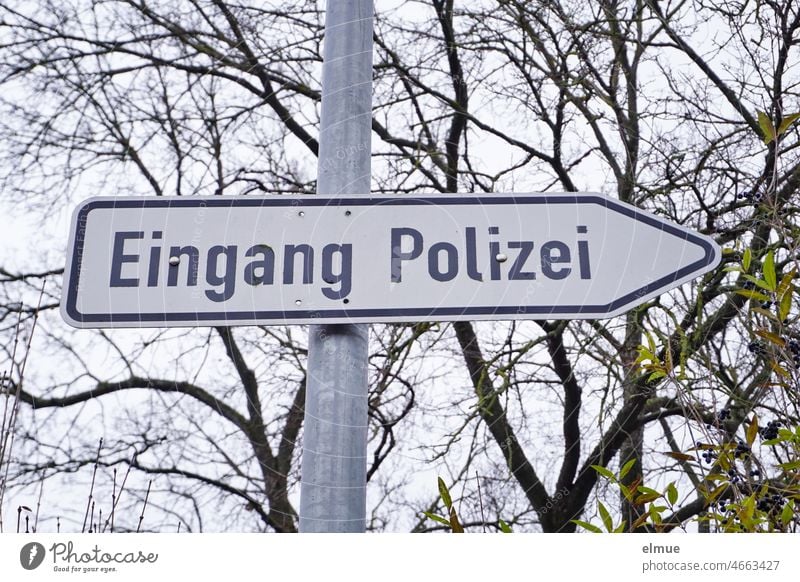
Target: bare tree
x=680 y=108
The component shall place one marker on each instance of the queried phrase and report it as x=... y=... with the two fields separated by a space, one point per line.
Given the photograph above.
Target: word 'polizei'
x=260 y=264
x=555 y=257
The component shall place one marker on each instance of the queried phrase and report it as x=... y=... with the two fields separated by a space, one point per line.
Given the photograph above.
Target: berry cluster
x=770 y=431
x=793 y=347
x=742 y=450
x=754 y=195
x=723 y=414
x=718 y=506
x=733 y=476
x=728 y=514
x=757 y=347
x=709 y=456
x=771 y=503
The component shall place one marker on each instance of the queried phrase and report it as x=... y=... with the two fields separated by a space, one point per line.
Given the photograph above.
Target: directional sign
x=136 y=262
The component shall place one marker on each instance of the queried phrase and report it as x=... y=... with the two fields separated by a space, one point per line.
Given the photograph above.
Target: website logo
x=31 y=555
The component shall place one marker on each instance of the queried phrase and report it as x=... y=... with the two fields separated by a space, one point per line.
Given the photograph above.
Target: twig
x=7 y=432
x=480 y=501
x=116 y=498
x=146 y=496
x=113 y=501
x=38 y=505
x=89 y=503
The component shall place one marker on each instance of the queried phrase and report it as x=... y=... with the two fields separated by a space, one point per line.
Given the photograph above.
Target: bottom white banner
x=332 y=557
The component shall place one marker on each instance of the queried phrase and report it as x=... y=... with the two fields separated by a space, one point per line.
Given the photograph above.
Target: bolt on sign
x=137 y=262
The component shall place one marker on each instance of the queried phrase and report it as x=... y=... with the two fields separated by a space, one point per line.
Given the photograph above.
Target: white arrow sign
x=137 y=262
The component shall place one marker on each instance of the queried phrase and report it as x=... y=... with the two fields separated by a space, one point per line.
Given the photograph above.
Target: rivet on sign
x=347 y=213
x=500 y=258
x=301 y=213
x=174 y=261
x=298 y=302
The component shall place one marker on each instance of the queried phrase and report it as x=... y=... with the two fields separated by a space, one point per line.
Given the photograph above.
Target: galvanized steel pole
x=334 y=469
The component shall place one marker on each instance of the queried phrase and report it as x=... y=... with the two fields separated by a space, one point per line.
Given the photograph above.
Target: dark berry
x=770 y=431
x=742 y=450
x=757 y=347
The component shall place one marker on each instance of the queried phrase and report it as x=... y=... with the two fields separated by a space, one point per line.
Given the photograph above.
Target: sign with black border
x=189 y=261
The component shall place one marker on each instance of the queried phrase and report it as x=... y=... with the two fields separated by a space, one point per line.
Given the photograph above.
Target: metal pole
x=334 y=470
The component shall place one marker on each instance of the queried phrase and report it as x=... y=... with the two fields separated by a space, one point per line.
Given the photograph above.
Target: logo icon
x=31 y=555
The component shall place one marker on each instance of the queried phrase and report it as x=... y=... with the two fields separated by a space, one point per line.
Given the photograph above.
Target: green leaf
x=748 y=508
x=787 y=122
x=655 y=515
x=764 y=312
x=645 y=354
x=757 y=281
x=769 y=271
x=643 y=489
x=771 y=337
x=780 y=370
x=786 y=282
x=650 y=341
x=587 y=526
x=672 y=493
x=626 y=468
x=639 y=522
x=767 y=127
x=436 y=518
x=750 y=294
x=605 y=473
x=605 y=516
x=790 y=465
x=504 y=527
x=455 y=525
x=620 y=528
x=445 y=493
x=746 y=258
x=788 y=512
x=716 y=477
x=785 y=306
x=752 y=430
x=717 y=491
x=629 y=491
x=647 y=498
x=680 y=456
